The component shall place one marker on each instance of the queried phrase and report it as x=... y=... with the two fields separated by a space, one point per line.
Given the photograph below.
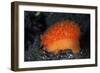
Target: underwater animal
x=61 y=35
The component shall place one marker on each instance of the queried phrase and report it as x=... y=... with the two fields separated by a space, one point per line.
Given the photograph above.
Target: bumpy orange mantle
x=62 y=35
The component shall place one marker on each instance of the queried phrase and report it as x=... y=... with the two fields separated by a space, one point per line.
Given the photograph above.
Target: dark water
x=38 y=22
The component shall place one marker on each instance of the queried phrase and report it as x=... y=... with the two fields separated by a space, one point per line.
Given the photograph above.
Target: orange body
x=62 y=35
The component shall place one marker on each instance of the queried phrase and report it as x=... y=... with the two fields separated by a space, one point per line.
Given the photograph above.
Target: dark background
x=37 y=22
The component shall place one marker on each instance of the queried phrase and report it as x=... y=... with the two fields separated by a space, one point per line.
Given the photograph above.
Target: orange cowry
x=60 y=36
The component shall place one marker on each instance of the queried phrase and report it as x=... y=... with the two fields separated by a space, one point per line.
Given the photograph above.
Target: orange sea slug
x=62 y=35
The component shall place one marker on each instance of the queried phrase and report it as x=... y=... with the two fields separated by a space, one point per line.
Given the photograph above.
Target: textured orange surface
x=62 y=35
